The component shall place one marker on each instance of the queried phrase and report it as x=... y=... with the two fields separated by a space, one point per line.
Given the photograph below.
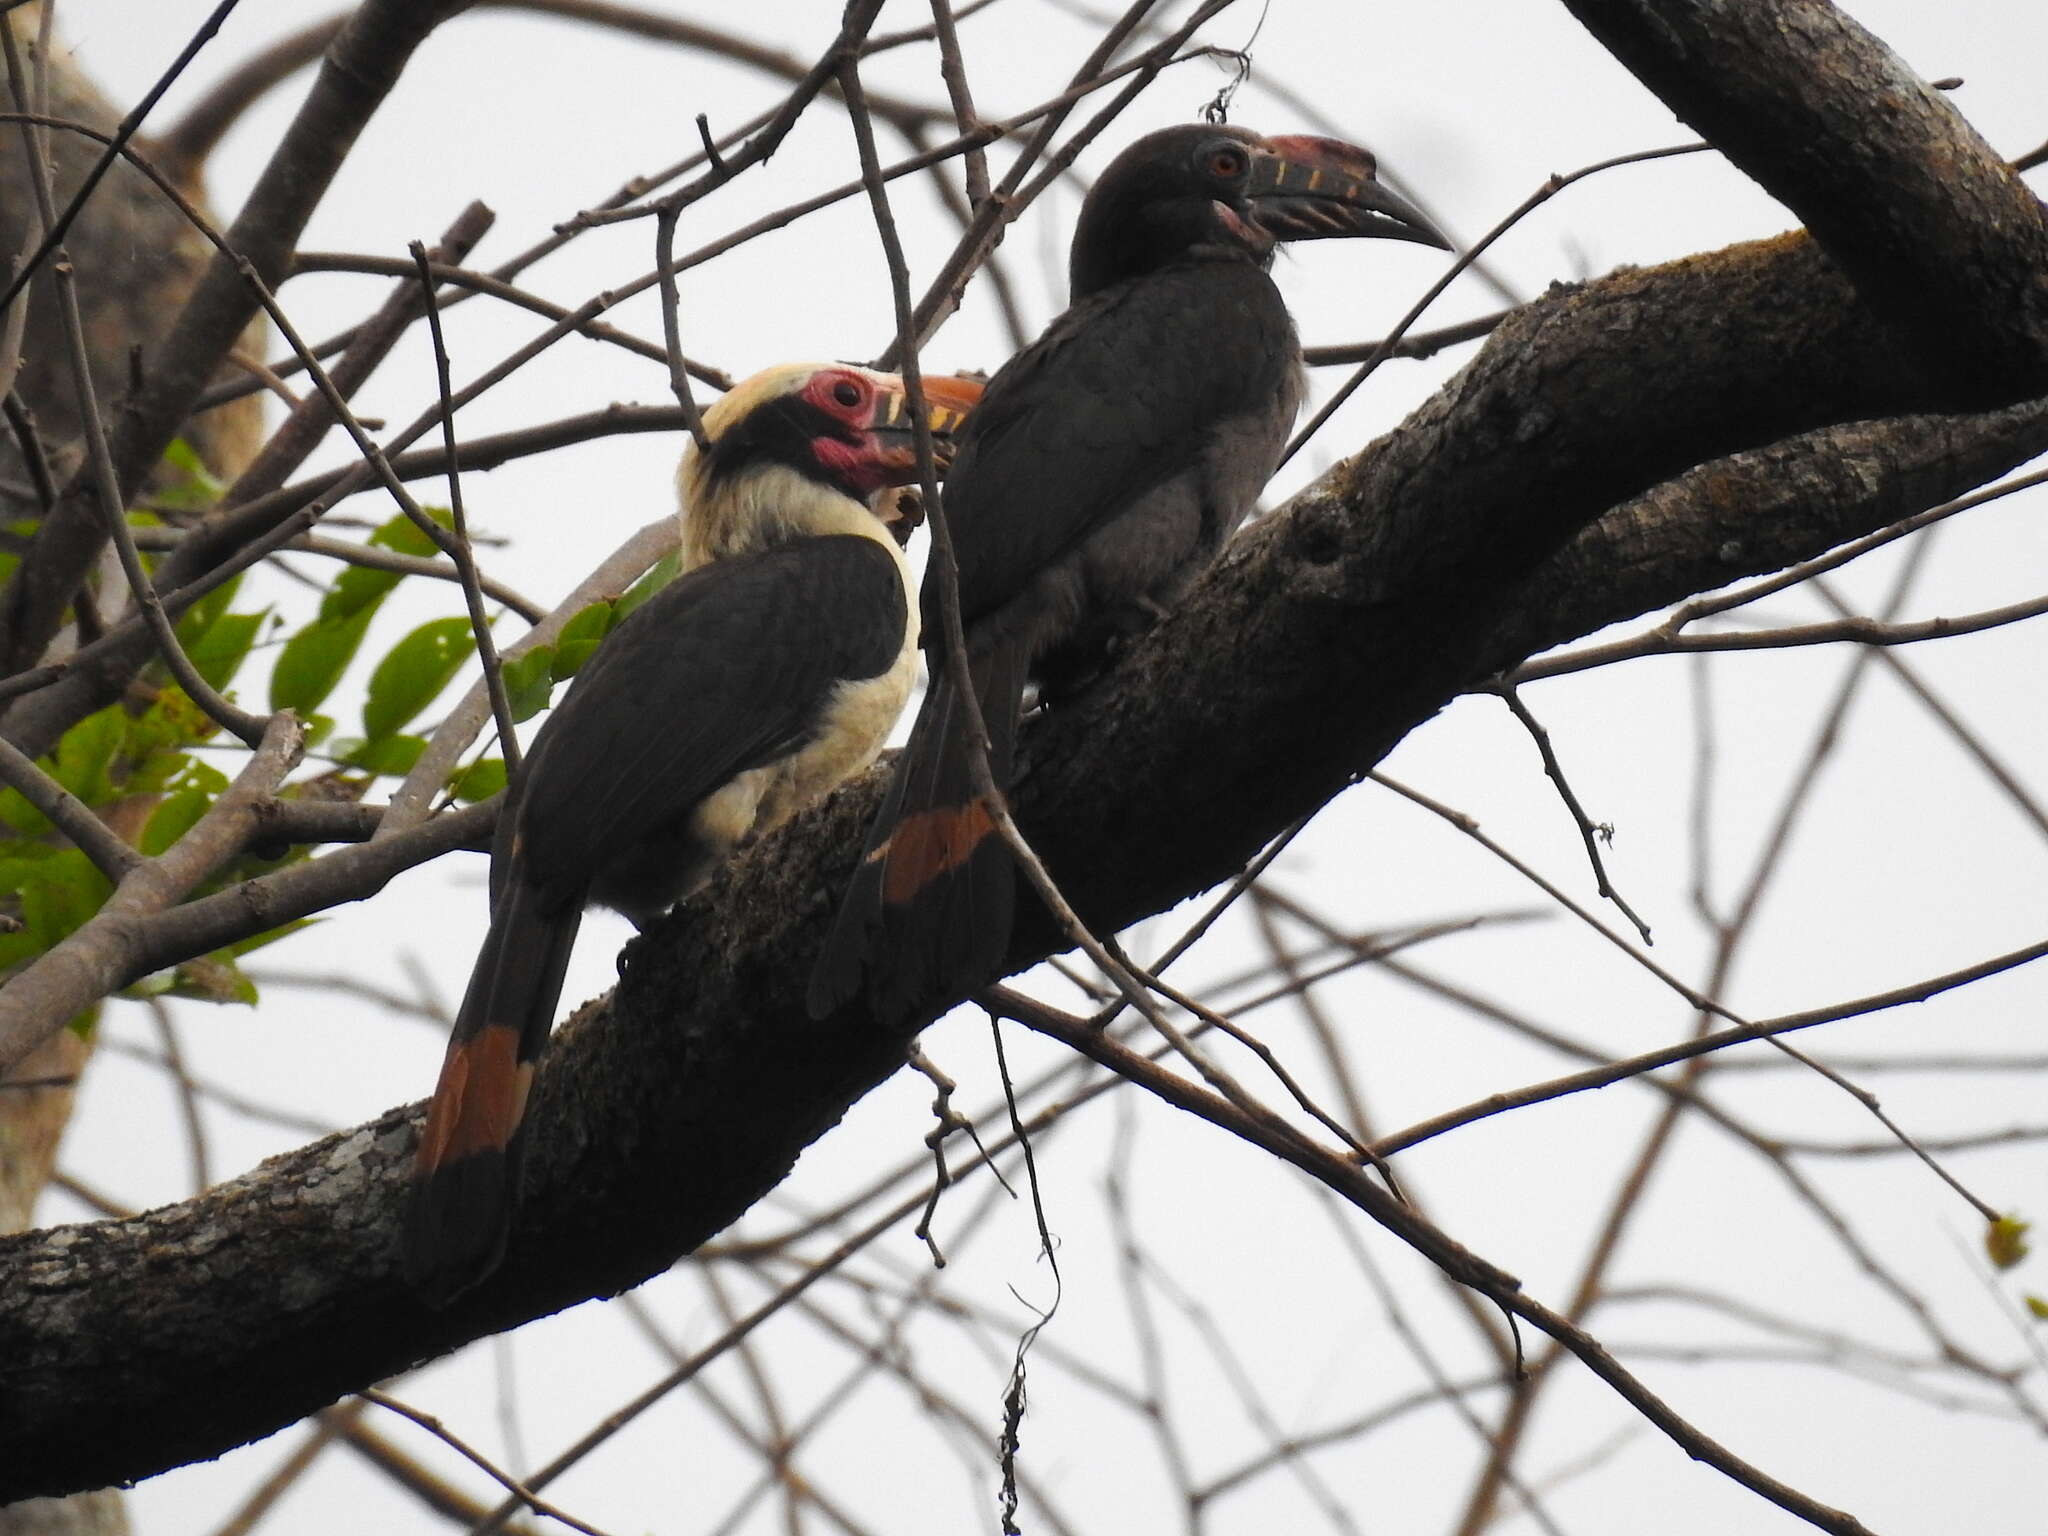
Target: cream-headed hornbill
x=1102 y=472
x=769 y=670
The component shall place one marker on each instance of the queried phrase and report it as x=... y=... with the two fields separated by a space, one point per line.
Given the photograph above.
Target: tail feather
x=466 y=1176
x=929 y=911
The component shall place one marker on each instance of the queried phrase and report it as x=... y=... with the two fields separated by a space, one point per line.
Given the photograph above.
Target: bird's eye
x=846 y=392
x=1227 y=162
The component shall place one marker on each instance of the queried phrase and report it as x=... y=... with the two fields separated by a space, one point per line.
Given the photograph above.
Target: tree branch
x=361 y=68
x=1929 y=222
x=1464 y=540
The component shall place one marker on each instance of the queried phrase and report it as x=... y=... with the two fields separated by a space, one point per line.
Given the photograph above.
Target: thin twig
x=476 y=1458
x=1465 y=259
x=460 y=551
x=371 y=556
x=56 y=226
x=1352 y=1184
x=105 y=483
x=953 y=70
x=187 y=1094
x=1587 y=833
x=671 y=324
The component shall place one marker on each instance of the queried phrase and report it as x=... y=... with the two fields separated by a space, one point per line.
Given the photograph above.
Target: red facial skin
x=852 y=458
x=876 y=447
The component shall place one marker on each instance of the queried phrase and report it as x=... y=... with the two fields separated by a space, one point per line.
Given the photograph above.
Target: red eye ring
x=847 y=392
x=1227 y=162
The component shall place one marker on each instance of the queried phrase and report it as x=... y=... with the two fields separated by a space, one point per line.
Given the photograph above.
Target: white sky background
x=1907 y=867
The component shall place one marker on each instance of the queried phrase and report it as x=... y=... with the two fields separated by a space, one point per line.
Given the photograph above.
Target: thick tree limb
x=1469 y=536
x=1930 y=223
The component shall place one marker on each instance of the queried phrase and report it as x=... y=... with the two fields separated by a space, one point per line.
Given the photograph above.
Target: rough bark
x=1468 y=537
x=1925 y=217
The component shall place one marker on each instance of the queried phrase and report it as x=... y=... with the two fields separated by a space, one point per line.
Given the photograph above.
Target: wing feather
x=727 y=668
x=1120 y=394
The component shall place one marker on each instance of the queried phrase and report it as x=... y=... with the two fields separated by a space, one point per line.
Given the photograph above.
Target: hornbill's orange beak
x=1307 y=188
x=892 y=442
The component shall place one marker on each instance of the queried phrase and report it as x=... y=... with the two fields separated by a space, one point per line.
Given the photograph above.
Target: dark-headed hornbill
x=1102 y=472
x=769 y=670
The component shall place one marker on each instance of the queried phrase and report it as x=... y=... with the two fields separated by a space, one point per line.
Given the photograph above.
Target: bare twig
x=1588 y=834
x=187 y=1093
x=441 y=1432
x=1350 y=1183
x=1527 y=206
x=953 y=70
x=370 y=345
x=104 y=482
x=671 y=325
x=55 y=227
x=372 y=556
x=460 y=551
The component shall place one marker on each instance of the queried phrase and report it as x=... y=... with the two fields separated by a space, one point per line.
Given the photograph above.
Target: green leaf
x=86 y=753
x=2037 y=1308
x=189 y=485
x=390 y=755
x=480 y=780
x=2005 y=1240
x=202 y=615
x=355 y=590
x=313 y=660
x=23 y=865
x=403 y=536
x=413 y=672
x=221 y=650
x=172 y=819
x=658 y=576
x=210 y=979
x=529 y=680
x=61 y=896
x=580 y=636
x=18 y=818
x=201 y=776
x=361 y=587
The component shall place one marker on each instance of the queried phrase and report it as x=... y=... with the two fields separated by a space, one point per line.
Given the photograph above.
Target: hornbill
x=770 y=669
x=1101 y=473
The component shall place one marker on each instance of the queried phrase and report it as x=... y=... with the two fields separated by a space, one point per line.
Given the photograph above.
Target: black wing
x=1120 y=394
x=727 y=668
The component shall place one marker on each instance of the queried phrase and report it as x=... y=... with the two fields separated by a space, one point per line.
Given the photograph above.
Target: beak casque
x=893 y=443
x=1308 y=188
x=947 y=398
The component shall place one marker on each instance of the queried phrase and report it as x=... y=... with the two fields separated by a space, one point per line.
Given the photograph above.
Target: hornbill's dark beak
x=893 y=443
x=1307 y=188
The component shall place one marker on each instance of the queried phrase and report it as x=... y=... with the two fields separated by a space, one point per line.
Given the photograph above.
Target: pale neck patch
x=765 y=505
